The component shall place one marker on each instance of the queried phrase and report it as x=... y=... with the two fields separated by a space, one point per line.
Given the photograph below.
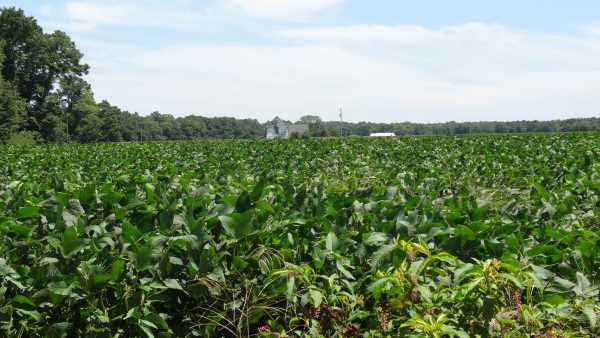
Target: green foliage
x=491 y=236
x=35 y=61
x=12 y=111
x=297 y=136
x=310 y=119
x=12 y=107
x=23 y=138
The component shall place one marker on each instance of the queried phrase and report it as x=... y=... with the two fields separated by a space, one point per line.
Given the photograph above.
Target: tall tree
x=53 y=126
x=77 y=100
x=12 y=108
x=193 y=127
x=90 y=128
x=112 y=120
x=35 y=62
x=12 y=111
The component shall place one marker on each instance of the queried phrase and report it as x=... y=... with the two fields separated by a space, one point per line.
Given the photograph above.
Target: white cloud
x=280 y=9
x=360 y=33
x=594 y=29
x=471 y=31
x=469 y=51
x=473 y=71
x=89 y=15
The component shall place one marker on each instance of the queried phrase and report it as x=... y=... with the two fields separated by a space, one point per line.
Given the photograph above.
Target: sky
x=380 y=60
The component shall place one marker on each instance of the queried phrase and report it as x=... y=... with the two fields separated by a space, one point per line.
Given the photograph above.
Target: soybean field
x=473 y=236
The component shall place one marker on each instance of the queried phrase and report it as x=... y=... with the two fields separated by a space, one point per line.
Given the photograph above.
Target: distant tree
x=169 y=127
x=131 y=126
x=193 y=127
x=362 y=129
x=319 y=129
x=150 y=129
x=309 y=119
x=90 y=128
x=112 y=120
x=23 y=138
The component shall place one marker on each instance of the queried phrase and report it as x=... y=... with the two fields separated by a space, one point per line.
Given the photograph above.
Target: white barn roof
x=382 y=134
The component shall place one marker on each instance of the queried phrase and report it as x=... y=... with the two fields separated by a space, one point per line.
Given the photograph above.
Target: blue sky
x=382 y=60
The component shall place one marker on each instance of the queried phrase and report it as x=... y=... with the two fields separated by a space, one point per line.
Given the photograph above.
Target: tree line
x=320 y=128
x=45 y=98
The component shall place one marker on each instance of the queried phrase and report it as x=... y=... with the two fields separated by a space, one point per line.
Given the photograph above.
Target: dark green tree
x=36 y=63
x=77 y=100
x=90 y=128
x=193 y=127
x=53 y=127
x=12 y=109
x=112 y=120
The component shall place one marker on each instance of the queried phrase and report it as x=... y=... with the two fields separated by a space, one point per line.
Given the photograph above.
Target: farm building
x=280 y=129
x=382 y=134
